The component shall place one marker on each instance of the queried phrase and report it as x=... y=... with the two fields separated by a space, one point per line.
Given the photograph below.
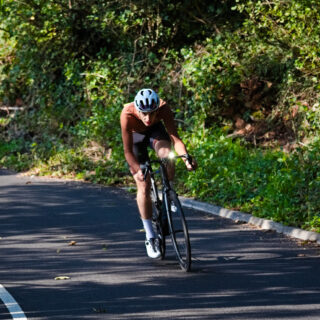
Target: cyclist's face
x=147 y=117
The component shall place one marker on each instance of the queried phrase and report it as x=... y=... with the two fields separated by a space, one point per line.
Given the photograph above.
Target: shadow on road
x=92 y=236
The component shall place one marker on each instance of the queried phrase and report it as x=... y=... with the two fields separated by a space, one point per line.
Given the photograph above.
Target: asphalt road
x=90 y=238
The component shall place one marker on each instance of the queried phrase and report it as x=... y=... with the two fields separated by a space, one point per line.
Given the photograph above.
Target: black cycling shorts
x=143 y=140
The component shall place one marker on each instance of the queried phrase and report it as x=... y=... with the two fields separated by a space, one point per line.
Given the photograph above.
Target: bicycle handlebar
x=146 y=166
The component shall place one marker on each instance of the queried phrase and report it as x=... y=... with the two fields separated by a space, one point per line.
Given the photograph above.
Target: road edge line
x=264 y=224
x=11 y=304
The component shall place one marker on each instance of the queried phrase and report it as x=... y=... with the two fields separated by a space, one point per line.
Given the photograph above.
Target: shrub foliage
x=241 y=76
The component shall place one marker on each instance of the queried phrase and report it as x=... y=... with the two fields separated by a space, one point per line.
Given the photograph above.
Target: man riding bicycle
x=148 y=122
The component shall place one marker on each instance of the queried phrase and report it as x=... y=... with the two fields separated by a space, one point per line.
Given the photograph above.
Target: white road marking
x=11 y=304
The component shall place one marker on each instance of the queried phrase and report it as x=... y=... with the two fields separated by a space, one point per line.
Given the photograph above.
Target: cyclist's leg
x=162 y=149
x=161 y=143
x=140 y=143
x=144 y=203
x=145 y=206
x=143 y=198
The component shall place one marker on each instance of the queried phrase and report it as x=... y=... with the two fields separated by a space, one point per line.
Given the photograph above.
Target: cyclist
x=148 y=122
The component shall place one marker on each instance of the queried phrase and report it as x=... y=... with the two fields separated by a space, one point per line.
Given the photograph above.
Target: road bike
x=168 y=218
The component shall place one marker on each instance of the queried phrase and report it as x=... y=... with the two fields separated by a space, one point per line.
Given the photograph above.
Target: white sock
x=147 y=224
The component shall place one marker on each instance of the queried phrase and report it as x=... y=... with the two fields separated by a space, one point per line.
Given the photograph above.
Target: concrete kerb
x=264 y=224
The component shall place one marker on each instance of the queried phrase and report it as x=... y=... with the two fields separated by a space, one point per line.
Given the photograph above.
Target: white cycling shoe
x=153 y=250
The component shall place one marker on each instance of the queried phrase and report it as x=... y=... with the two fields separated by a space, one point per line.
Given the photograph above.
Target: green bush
x=74 y=64
x=270 y=184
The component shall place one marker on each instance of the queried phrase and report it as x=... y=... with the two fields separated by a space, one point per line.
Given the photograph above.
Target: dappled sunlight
x=92 y=241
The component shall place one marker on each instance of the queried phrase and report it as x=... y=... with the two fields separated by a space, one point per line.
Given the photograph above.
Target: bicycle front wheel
x=178 y=230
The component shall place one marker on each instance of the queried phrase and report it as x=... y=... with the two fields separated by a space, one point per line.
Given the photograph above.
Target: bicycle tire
x=178 y=230
x=157 y=225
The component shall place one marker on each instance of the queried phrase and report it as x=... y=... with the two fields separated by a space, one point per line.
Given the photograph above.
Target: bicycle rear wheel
x=178 y=230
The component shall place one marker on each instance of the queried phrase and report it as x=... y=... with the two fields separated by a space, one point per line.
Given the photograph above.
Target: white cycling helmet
x=146 y=100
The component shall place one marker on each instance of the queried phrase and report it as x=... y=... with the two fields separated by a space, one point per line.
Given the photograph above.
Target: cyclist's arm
x=128 y=145
x=178 y=144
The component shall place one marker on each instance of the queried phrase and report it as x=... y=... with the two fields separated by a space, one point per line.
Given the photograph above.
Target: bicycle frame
x=183 y=252
x=163 y=174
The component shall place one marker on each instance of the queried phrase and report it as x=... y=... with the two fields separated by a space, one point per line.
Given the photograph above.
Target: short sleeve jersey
x=130 y=123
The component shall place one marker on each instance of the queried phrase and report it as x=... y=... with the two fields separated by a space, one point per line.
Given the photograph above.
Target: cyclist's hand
x=191 y=166
x=139 y=175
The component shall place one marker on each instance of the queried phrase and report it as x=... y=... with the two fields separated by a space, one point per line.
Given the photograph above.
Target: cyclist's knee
x=162 y=148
